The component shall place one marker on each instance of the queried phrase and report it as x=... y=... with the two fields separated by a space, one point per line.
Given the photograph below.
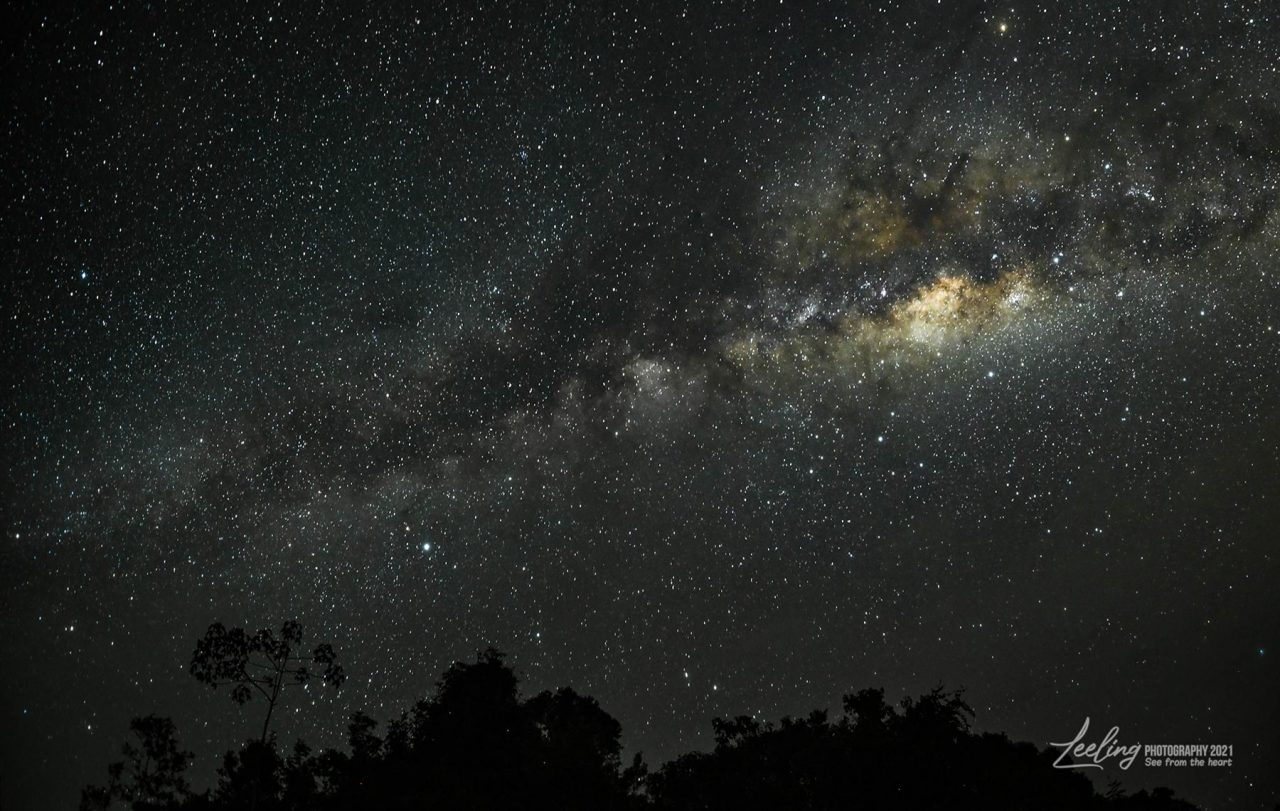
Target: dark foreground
x=477 y=745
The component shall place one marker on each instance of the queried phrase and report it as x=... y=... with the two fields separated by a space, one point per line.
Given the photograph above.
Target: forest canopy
x=477 y=743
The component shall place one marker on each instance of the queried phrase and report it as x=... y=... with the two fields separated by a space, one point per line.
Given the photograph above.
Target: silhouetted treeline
x=477 y=745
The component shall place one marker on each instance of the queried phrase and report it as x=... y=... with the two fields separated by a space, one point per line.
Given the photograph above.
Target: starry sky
x=712 y=358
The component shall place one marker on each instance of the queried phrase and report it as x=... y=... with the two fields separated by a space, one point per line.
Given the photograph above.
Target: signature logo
x=1093 y=755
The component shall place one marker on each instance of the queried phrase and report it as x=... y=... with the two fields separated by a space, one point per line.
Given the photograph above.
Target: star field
x=711 y=358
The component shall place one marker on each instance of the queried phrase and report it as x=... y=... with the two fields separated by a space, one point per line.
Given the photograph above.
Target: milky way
x=712 y=360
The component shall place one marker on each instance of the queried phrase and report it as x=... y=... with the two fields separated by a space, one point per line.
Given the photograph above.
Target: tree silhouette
x=476 y=743
x=920 y=754
x=263 y=662
x=252 y=778
x=151 y=774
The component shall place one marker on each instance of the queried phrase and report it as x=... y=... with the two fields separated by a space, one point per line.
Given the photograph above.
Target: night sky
x=714 y=359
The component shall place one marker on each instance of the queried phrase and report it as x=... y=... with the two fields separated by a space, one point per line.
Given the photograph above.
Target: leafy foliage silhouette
x=263 y=662
x=477 y=744
x=151 y=774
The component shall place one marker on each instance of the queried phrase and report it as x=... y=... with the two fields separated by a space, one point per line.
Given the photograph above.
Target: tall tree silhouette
x=264 y=662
